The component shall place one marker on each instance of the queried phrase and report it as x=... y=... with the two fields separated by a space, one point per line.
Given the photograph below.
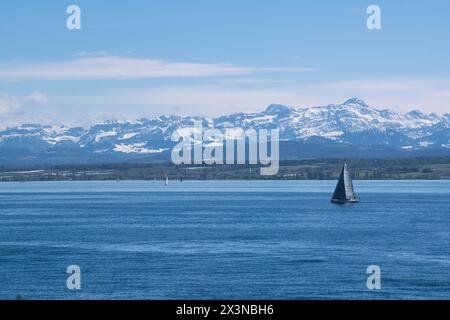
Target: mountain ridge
x=352 y=123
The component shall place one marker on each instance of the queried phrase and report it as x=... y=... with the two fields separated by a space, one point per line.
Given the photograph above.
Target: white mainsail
x=344 y=191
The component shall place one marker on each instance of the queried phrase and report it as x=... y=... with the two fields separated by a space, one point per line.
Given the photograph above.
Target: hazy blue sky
x=143 y=58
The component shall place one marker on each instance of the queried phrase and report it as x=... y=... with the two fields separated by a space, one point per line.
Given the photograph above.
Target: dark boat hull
x=339 y=201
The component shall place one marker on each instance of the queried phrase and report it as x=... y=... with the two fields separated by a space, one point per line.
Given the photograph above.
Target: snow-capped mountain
x=351 y=124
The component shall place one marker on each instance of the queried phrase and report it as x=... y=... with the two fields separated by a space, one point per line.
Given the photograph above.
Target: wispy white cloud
x=401 y=94
x=254 y=81
x=111 y=67
x=37 y=97
x=186 y=100
x=17 y=109
x=9 y=102
x=397 y=94
x=91 y=53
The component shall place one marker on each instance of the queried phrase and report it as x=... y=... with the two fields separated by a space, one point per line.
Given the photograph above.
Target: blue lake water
x=224 y=240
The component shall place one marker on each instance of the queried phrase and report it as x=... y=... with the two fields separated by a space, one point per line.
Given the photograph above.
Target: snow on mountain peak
x=352 y=122
x=277 y=108
x=356 y=101
x=415 y=114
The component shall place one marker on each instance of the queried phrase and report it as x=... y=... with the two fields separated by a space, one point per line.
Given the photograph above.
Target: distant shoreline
x=432 y=168
x=198 y=180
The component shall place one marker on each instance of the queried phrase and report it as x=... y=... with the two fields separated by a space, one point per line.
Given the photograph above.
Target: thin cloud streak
x=120 y=68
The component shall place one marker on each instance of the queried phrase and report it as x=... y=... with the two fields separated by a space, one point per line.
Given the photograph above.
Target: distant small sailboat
x=167 y=181
x=344 y=192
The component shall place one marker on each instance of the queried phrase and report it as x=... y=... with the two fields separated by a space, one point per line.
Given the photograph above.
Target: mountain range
x=349 y=129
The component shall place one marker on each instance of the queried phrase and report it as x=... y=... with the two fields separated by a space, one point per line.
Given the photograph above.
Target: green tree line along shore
x=313 y=169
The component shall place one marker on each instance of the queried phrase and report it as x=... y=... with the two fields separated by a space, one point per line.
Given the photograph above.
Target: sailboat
x=167 y=181
x=344 y=192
